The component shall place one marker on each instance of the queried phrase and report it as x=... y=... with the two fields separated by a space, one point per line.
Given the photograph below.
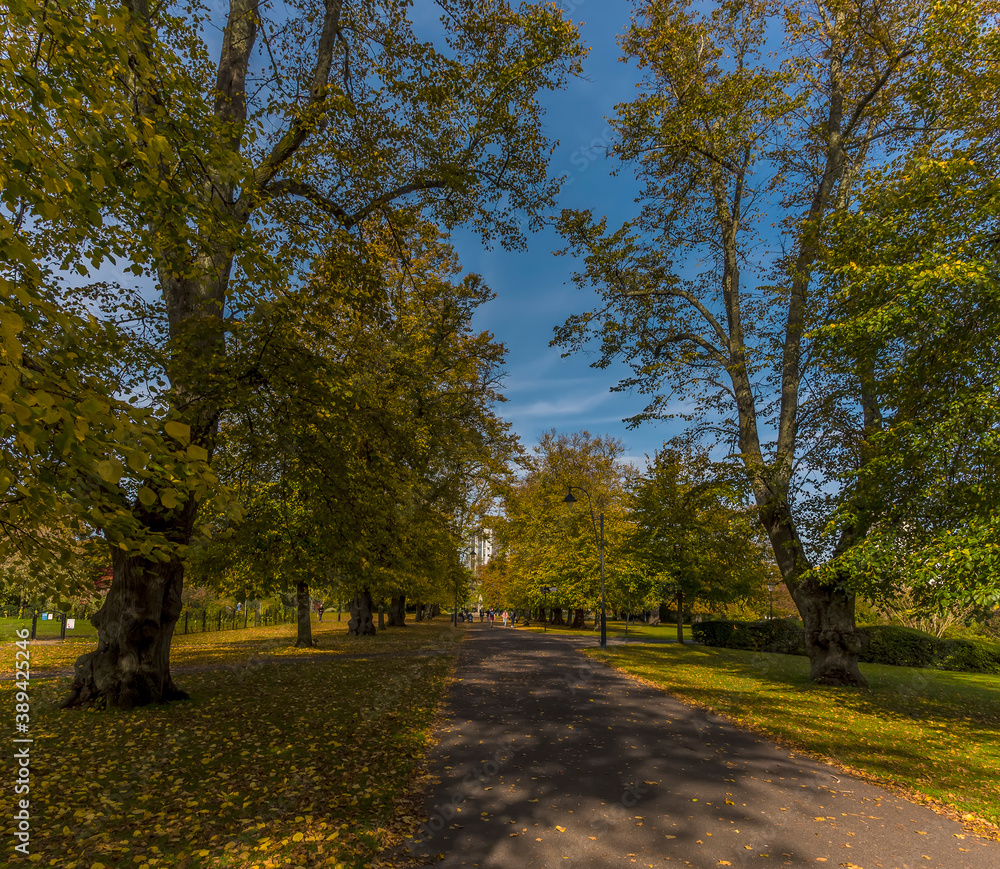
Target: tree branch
x=298 y=130
x=289 y=186
x=695 y=303
x=713 y=352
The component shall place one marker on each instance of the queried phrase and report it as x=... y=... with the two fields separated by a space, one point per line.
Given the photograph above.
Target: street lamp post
x=546 y=590
x=569 y=499
x=770 y=595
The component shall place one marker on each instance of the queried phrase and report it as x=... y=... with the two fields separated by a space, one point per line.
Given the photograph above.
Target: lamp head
x=569 y=499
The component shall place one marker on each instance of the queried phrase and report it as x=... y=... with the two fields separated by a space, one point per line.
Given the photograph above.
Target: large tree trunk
x=381 y=615
x=680 y=616
x=397 y=612
x=579 y=621
x=131 y=665
x=420 y=612
x=833 y=641
x=361 y=624
x=303 y=601
x=557 y=616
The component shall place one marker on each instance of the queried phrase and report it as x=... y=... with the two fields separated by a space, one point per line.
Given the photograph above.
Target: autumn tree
x=914 y=280
x=368 y=425
x=709 y=291
x=693 y=538
x=546 y=542
x=220 y=180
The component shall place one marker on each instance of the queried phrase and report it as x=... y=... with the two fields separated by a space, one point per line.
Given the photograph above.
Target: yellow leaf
x=178 y=431
x=111 y=470
x=198 y=454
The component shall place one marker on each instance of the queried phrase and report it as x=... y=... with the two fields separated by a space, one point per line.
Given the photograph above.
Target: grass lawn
x=933 y=733
x=47 y=629
x=274 y=760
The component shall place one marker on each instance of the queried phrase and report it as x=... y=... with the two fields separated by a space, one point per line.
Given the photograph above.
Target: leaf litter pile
x=276 y=760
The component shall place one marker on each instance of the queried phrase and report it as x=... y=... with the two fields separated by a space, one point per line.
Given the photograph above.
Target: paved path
x=548 y=760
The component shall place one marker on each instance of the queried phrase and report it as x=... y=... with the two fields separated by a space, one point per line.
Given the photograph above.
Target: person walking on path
x=548 y=759
x=491 y=618
x=504 y=617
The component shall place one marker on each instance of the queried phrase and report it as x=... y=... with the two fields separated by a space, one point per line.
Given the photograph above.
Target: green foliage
x=82 y=187
x=366 y=432
x=972 y=655
x=773 y=635
x=751 y=145
x=692 y=535
x=907 y=647
x=902 y=647
x=544 y=542
x=886 y=644
x=915 y=317
x=128 y=148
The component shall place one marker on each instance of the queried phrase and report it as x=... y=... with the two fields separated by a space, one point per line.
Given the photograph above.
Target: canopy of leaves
x=366 y=423
x=692 y=535
x=544 y=542
x=915 y=277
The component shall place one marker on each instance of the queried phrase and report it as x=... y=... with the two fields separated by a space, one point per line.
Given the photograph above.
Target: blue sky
x=534 y=288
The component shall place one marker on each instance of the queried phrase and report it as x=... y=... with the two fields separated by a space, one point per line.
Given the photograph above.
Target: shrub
x=970 y=655
x=887 y=644
x=773 y=635
x=903 y=647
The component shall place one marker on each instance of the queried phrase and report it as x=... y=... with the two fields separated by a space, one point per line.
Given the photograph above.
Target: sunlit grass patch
x=272 y=761
x=931 y=732
x=218 y=647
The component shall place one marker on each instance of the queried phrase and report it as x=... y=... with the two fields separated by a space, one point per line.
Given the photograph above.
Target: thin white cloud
x=558 y=408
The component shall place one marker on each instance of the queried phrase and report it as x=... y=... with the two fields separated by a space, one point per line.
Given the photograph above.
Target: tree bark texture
x=827 y=610
x=361 y=624
x=833 y=641
x=302 y=606
x=397 y=612
x=578 y=619
x=557 y=616
x=131 y=665
x=420 y=612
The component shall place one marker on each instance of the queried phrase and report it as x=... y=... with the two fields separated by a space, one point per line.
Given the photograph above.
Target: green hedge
x=773 y=635
x=903 y=647
x=970 y=655
x=886 y=644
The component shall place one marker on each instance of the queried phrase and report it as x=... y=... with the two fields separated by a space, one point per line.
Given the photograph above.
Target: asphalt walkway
x=549 y=760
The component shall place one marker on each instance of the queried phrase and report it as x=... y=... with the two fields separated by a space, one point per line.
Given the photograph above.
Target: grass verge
x=933 y=734
x=276 y=760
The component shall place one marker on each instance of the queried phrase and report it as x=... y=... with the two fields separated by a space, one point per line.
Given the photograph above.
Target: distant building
x=482 y=548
